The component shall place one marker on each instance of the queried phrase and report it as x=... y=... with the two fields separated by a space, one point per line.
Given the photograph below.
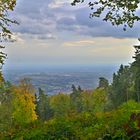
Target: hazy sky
x=54 y=33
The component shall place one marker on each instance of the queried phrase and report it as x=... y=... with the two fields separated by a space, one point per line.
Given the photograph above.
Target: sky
x=54 y=33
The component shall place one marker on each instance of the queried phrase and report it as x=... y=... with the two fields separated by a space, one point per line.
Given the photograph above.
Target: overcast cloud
x=52 y=32
x=40 y=17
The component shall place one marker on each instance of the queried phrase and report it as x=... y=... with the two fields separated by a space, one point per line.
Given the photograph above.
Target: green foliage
x=5 y=34
x=105 y=125
x=103 y=83
x=5 y=7
x=44 y=110
x=5 y=106
x=60 y=104
x=122 y=85
x=136 y=67
x=119 y=119
x=121 y=12
x=93 y=122
x=94 y=101
x=99 y=100
x=76 y=98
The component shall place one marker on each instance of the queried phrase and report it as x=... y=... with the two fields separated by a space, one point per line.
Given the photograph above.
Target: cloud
x=46 y=36
x=95 y=27
x=79 y=43
x=18 y=38
x=57 y=4
x=55 y=16
x=32 y=18
x=66 y=21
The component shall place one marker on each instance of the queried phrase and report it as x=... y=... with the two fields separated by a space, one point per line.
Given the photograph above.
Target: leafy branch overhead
x=5 y=22
x=118 y=12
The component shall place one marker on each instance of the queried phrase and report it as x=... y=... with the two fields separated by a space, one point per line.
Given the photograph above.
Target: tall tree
x=122 y=83
x=136 y=65
x=6 y=107
x=75 y=97
x=24 y=103
x=43 y=106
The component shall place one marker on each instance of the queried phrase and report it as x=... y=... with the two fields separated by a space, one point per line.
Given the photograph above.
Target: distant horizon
x=59 y=79
x=59 y=67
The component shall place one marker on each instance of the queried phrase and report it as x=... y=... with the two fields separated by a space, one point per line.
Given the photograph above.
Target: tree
x=23 y=103
x=26 y=86
x=6 y=107
x=100 y=98
x=120 y=90
x=5 y=34
x=5 y=22
x=103 y=82
x=60 y=104
x=80 y=89
x=75 y=97
x=136 y=65
x=43 y=106
x=73 y=88
x=118 y=12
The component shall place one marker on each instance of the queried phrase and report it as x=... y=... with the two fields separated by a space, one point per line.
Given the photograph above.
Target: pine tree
x=43 y=108
x=136 y=65
x=103 y=83
x=122 y=83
